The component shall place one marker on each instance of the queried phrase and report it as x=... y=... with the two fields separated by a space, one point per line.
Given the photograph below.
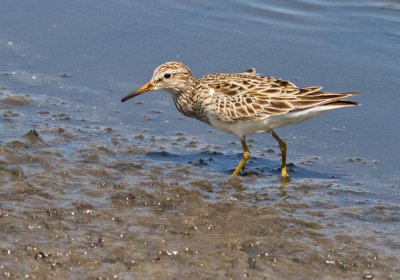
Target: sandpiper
x=242 y=103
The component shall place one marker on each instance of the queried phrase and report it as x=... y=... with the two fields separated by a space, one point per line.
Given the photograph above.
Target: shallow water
x=106 y=189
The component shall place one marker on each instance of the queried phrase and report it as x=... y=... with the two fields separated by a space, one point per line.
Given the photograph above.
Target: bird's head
x=174 y=77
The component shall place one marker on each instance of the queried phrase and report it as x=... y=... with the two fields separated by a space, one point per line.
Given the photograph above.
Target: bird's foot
x=285 y=178
x=284 y=174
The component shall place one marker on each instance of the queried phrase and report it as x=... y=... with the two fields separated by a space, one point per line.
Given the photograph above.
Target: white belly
x=241 y=128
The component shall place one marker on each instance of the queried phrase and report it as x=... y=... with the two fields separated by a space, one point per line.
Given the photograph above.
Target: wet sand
x=104 y=190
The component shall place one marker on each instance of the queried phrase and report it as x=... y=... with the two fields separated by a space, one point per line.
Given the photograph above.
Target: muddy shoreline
x=108 y=210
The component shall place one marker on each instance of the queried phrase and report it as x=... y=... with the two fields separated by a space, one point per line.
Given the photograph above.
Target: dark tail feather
x=342 y=103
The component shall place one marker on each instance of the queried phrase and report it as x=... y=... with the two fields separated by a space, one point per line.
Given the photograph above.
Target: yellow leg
x=282 y=146
x=246 y=155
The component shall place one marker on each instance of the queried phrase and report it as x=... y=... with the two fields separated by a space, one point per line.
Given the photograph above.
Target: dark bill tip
x=146 y=87
x=129 y=96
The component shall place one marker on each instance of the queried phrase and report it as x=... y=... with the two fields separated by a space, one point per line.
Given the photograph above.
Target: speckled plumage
x=242 y=103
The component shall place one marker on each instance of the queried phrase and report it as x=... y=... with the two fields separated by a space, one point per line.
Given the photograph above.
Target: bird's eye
x=167 y=75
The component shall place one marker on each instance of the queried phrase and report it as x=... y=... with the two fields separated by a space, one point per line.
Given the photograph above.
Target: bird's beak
x=146 y=87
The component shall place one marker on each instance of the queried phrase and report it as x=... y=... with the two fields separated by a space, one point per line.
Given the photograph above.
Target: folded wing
x=247 y=97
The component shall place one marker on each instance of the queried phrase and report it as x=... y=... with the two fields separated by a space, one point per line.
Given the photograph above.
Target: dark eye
x=167 y=75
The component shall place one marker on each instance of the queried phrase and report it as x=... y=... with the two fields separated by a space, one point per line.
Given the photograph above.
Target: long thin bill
x=146 y=87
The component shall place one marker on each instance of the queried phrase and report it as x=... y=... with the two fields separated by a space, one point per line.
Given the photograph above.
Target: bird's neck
x=185 y=98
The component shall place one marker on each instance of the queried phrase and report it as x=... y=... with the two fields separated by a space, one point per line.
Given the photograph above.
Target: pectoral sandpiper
x=242 y=103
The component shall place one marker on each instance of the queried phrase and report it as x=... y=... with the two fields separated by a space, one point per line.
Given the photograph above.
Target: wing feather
x=241 y=96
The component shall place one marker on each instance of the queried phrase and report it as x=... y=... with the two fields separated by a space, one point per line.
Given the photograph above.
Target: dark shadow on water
x=226 y=164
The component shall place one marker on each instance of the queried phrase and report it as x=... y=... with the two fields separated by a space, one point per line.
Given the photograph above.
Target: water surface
x=94 y=186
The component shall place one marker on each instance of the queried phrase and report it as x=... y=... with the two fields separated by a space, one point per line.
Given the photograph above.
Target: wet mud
x=86 y=200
